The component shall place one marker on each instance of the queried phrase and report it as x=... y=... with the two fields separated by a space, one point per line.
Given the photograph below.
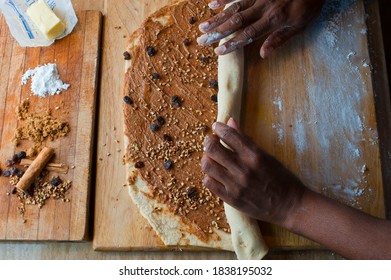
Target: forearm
x=347 y=231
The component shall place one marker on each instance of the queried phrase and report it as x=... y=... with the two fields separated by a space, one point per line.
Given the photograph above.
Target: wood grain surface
x=311 y=105
x=77 y=61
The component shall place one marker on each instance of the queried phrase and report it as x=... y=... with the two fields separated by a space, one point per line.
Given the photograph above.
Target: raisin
x=56 y=181
x=154 y=127
x=167 y=138
x=6 y=173
x=155 y=76
x=21 y=154
x=204 y=129
x=127 y=55
x=214 y=98
x=128 y=100
x=20 y=173
x=139 y=164
x=213 y=84
x=186 y=42
x=168 y=164
x=176 y=101
x=9 y=163
x=192 y=20
x=203 y=59
x=14 y=171
x=15 y=158
x=150 y=51
x=192 y=193
x=160 y=120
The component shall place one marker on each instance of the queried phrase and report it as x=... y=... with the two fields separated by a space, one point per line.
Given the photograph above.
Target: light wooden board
x=77 y=59
x=312 y=135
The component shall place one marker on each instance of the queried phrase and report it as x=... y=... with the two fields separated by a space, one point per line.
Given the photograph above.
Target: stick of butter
x=46 y=20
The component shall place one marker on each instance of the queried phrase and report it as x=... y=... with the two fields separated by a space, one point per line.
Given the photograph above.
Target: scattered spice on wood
x=214 y=98
x=38 y=127
x=40 y=192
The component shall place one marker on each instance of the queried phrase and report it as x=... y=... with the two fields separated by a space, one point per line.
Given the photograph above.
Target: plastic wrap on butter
x=35 y=28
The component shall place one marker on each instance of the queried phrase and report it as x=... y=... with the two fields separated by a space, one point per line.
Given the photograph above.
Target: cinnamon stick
x=54 y=167
x=34 y=169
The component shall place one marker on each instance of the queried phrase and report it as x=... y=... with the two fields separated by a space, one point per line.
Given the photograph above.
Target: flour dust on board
x=334 y=118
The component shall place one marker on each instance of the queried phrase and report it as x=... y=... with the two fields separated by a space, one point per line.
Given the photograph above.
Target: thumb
x=232 y=123
x=277 y=38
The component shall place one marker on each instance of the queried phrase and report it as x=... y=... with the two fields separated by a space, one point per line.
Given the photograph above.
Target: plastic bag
x=25 y=31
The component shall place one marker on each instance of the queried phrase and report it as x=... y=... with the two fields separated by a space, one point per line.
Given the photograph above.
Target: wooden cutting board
x=77 y=59
x=311 y=105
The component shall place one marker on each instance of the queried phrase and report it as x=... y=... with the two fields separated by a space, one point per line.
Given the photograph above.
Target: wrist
x=294 y=214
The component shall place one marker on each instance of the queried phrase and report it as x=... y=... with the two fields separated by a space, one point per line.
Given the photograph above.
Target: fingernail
x=203 y=26
x=214 y=126
x=265 y=52
x=206 y=141
x=202 y=39
x=214 y=5
x=220 y=50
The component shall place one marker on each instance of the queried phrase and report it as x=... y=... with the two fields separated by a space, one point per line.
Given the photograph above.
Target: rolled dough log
x=246 y=236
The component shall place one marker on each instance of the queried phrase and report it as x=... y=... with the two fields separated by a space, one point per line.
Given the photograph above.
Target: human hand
x=275 y=20
x=247 y=178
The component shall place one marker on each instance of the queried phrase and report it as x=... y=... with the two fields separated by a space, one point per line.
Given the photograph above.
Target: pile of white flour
x=45 y=80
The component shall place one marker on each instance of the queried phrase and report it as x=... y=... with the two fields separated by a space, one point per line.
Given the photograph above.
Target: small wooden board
x=294 y=109
x=77 y=59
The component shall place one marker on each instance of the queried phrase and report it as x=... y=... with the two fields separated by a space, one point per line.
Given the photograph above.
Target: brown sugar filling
x=169 y=107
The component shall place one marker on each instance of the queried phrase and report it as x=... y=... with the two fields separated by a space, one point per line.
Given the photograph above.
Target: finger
x=214 y=170
x=245 y=37
x=277 y=38
x=218 y=19
x=230 y=136
x=236 y=22
x=216 y=151
x=232 y=123
x=219 y=3
x=218 y=189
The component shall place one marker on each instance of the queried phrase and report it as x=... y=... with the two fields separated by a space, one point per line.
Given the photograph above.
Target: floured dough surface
x=170 y=104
